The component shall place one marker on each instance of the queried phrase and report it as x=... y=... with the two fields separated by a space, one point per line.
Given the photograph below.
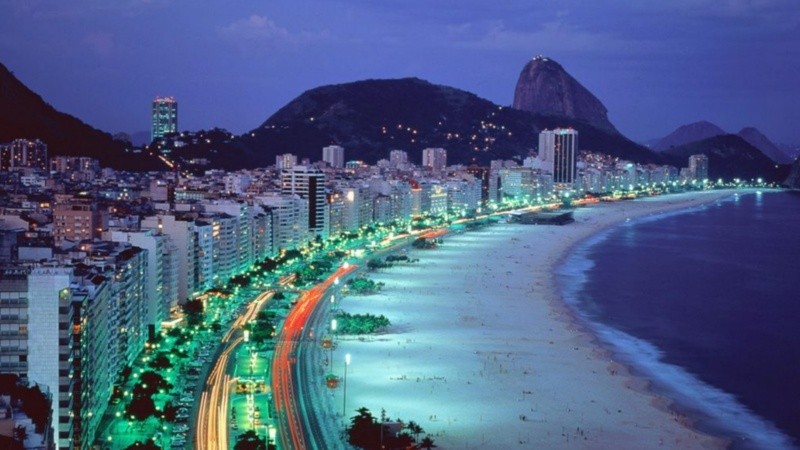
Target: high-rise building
x=309 y=184
x=398 y=158
x=333 y=155
x=161 y=275
x=698 y=168
x=23 y=153
x=557 y=154
x=434 y=158
x=165 y=117
x=184 y=238
x=285 y=161
x=289 y=220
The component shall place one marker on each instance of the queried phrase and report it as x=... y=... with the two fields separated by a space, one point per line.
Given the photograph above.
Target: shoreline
x=599 y=416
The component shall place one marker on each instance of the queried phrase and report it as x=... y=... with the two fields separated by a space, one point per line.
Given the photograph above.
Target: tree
x=147 y=445
x=170 y=412
x=194 y=311
x=415 y=429
x=141 y=408
x=160 y=362
x=427 y=443
x=249 y=440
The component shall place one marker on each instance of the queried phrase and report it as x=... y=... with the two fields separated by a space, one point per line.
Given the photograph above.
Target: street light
x=344 y=399
x=333 y=333
x=272 y=431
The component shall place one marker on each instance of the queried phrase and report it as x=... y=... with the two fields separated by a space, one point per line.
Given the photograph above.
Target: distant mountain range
x=702 y=130
x=685 y=134
x=730 y=155
x=24 y=114
x=371 y=117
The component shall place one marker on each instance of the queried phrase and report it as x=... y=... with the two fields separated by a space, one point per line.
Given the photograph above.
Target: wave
x=714 y=410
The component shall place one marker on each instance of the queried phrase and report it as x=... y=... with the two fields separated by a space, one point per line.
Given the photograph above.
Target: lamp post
x=271 y=432
x=333 y=341
x=344 y=396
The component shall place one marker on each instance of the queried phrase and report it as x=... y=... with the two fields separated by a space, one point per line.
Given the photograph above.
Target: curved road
x=293 y=423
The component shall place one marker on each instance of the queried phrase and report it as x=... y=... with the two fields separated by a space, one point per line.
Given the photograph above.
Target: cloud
x=551 y=37
x=100 y=42
x=257 y=34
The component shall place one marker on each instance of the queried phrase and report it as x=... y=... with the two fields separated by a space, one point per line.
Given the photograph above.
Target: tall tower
x=557 y=151
x=165 y=117
x=309 y=184
x=333 y=155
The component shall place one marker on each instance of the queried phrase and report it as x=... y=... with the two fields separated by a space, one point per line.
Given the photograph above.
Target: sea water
x=705 y=303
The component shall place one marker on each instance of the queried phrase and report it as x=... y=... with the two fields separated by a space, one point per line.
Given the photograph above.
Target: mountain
x=685 y=134
x=371 y=117
x=761 y=142
x=544 y=87
x=793 y=180
x=24 y=114
x=790 y=150
x=730 y=156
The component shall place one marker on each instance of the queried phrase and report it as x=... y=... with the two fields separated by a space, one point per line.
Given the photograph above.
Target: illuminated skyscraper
x=557 y=154
x=165 y=116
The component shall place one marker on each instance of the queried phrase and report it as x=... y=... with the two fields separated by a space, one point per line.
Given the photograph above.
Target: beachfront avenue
x=203 y=383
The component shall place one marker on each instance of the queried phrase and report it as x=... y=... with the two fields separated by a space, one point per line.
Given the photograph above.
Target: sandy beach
x=483 y=353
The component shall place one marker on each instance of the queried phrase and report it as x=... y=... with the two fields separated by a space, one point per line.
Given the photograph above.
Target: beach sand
x=483 y=353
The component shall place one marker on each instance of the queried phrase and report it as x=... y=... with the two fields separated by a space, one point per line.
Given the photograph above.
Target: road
x=293 y=432
x=211 y=431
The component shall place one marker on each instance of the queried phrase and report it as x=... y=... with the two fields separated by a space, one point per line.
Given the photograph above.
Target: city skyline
x=654 y=67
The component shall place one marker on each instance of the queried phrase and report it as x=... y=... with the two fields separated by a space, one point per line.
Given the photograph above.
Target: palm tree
x=427 y=443
x=415 y=428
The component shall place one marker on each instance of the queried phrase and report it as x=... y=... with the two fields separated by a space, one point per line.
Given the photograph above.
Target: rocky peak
x=544 y=87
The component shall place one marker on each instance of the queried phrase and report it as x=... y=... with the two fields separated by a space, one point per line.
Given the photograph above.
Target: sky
x=232 y=64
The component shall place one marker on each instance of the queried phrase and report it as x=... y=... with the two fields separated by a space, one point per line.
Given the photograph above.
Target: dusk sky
x=655 y=65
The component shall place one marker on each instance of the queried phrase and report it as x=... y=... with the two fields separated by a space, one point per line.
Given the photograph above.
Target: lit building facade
x=165 y=117
x=558 y=154
x=434 y=158
x=308 y=183
x=23 y=153
x=333 y=155
x=78 y=220
x=698 y=168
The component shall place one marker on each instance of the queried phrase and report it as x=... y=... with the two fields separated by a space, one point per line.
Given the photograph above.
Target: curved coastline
x=533 y=373
x=675 y=389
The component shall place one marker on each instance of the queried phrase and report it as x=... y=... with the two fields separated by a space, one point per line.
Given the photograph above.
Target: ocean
x=705 y=303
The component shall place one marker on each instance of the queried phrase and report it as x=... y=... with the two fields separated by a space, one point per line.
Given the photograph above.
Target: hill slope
x=761 y=142
x=688 y=133
x=24 y=114
x=371 y=117
x=730 y=156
